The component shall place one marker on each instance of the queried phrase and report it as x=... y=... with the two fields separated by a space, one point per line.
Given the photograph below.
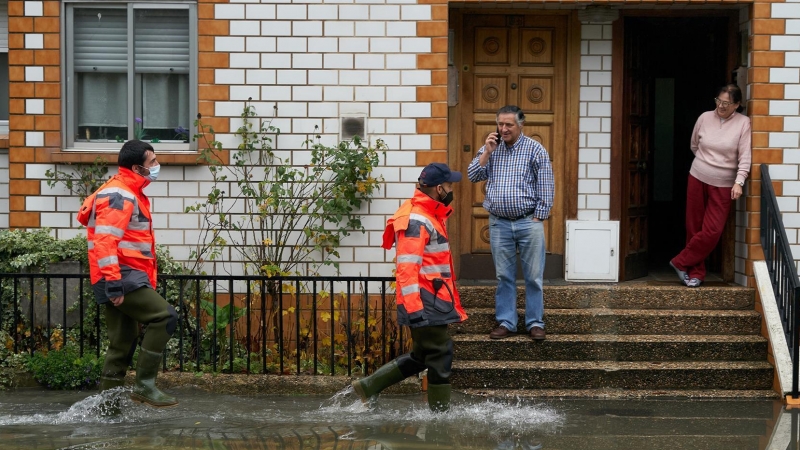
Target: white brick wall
x=316 y=63
x=594 y=138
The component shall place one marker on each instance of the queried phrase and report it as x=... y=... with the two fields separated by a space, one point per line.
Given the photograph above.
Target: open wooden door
x=637 y=140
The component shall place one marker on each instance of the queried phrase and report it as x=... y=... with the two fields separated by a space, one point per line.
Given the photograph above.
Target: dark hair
x=132 y=153
x=430 y=191
x=732 y=90
x=512 y=109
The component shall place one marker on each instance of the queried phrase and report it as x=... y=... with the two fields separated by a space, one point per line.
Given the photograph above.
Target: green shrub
x=65 y=369
x=10 y=362
x=34 y=249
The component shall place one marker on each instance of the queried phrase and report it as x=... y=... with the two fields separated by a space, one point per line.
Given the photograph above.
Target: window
x=131 y=74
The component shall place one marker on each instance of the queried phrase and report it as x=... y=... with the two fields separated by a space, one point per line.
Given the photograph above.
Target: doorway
x=672 y=68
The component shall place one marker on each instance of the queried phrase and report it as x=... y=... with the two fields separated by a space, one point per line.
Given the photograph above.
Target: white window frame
x=69 y=107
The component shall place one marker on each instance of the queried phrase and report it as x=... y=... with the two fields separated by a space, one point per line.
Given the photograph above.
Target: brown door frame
x=458 y=224
x=617 y=109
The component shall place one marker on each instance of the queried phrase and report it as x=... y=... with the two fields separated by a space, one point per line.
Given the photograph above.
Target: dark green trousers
x=432 y=349
x=142 y=306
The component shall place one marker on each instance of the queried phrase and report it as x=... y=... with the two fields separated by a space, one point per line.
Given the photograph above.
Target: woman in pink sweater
x=721 y=145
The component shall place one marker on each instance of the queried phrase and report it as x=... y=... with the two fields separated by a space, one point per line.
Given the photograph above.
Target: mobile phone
x=497 y=138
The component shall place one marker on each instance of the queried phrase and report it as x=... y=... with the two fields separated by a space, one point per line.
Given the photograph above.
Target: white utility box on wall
x=592 y=251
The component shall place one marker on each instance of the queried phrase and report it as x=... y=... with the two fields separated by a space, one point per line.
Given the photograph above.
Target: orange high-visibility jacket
x=122 y=246
x=426 y=289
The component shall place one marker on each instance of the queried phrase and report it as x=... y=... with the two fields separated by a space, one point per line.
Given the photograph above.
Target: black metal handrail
x=782 y=270
x=333 y=326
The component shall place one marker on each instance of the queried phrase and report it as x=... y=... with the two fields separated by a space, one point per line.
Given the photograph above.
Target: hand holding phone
x=497 y=138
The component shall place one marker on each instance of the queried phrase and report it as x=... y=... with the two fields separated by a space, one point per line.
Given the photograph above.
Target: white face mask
x=153 y=175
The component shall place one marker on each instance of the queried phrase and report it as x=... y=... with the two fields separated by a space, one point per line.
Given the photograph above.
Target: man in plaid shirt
x=519 y=194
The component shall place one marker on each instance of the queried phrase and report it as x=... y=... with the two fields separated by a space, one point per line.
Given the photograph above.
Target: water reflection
x=786 y=433
x=48 y=420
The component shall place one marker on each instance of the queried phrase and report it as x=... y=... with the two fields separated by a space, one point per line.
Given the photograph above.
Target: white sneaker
x=694 y=282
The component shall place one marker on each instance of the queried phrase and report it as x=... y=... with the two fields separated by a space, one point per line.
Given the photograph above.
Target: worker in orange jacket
x=427 y=299
x=122 y=264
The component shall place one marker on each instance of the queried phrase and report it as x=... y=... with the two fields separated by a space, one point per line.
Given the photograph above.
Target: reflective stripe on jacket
x=120 y=236
x=426 y=291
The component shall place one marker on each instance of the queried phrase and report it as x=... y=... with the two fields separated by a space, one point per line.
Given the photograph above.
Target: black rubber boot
x=384 y=377
x=145 y=390
x=439 y=397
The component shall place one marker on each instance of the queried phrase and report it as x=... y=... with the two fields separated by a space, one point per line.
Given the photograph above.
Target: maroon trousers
x=707 y=209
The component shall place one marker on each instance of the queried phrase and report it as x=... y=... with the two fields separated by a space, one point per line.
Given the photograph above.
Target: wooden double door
x=510 y=59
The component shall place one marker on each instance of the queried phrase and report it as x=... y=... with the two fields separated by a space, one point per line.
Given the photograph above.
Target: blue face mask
x=153 y=173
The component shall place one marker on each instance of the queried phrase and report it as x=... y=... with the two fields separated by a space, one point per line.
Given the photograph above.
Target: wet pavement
x=39 y=419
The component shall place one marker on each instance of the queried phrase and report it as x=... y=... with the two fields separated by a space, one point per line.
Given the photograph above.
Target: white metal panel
x=592 y=251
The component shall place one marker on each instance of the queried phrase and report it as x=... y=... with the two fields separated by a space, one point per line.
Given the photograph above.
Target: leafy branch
x=282 y=219
x=82 y=180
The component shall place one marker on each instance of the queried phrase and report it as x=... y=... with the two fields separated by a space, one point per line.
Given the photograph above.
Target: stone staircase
x=622 y=340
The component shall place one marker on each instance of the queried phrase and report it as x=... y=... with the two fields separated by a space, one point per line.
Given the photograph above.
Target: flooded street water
x=38 y=419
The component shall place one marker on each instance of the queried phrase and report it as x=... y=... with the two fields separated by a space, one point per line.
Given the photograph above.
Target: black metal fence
x=234 y=324
x=782 y=269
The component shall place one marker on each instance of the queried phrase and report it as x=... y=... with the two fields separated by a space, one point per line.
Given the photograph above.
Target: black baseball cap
x=435 y=174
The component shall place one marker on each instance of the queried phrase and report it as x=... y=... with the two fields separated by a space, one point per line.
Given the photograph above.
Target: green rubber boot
x=439 y=397
x=145 y=390
x=384 y=377
x=108 y=382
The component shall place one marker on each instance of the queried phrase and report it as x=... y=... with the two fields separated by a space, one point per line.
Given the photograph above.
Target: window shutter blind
x=161 y=41
x=4 y=26
x=101 y=40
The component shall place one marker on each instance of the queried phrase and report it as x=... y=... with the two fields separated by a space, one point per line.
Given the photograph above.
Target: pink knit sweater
x=721 y=149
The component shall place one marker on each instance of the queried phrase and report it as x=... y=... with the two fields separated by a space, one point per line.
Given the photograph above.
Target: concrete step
x=726 y=375
x=649 y=295
x=624 y=321
x=607 y=347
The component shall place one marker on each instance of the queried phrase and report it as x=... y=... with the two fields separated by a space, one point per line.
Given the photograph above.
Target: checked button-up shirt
x=520 y=179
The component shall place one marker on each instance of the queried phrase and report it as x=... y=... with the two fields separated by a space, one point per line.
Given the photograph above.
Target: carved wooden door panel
x=637 y=138
x=511 y=59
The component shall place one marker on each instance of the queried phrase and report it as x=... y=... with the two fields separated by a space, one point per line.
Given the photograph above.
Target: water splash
x=467 y=413
x=407 y=422
x=502 y=417
x=344 y=401
x=91 y=409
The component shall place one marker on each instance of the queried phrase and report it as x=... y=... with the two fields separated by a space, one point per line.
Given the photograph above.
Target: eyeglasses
x=723 y=104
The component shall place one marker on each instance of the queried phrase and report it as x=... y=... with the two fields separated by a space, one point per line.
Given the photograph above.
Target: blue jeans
x=505 y=238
